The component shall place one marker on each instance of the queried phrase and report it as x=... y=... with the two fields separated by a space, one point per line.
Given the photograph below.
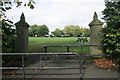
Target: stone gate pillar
x=22 y=35
x=95 y=35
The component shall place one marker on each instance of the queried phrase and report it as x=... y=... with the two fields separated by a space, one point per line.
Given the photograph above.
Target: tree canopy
x=8 y=36
x=57 y=32
x=75 y=30
x=112 y=30
x=7 y=4
x=38 y=30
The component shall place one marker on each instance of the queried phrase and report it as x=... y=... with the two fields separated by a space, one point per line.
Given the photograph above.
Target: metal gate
x=49 y=65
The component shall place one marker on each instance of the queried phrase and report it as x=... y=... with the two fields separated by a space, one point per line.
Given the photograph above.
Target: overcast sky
x=58 y=13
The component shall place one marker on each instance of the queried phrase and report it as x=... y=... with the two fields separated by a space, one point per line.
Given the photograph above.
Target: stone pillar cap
x=22 y=22
x=95 y=20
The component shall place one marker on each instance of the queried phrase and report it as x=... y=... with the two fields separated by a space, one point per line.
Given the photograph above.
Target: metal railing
x=81 y=61
x=45 y=47
x=24 y=68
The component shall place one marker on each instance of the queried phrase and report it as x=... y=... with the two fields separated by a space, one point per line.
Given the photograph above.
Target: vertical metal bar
x=40 y=60
x=67 y=48
x=81 y=66
x=0 y=49
x=45 y=49
x=23 y=66
x=118 y=69
x=81 y=48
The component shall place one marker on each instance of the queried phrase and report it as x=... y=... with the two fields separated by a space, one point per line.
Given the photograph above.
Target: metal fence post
x=45 y=49
x=81 y=67
x=81 y=48
x=67 y=48
x=23 y=66
x=119 y=69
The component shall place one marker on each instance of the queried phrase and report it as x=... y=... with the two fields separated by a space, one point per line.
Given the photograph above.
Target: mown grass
x=36 y=44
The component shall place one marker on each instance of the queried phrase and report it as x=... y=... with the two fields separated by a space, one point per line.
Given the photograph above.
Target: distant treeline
x=68 y=31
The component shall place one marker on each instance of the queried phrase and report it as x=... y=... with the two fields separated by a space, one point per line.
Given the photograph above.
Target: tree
x=7 y=28
x=85 y=32
x=38 y=30
x=111 y=32
x=8 y=33
x=33 y=30
x=7 y=4
x=8 y=36
x=75 y=31
x=43 y=30
x=68 y=30
x=57 y=32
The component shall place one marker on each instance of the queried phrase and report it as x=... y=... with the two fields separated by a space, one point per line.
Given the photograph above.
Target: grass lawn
x=36 y=44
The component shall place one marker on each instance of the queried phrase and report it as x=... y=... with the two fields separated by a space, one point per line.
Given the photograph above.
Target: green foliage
x=74 y=31
x=43 y=30
x=7 y=4
x=33 y=30
x=8 y=36
x=38 y=30
x=112 y=31
x=68 y=30
x=57 y=32
x=86 y=32
x=8 y=33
